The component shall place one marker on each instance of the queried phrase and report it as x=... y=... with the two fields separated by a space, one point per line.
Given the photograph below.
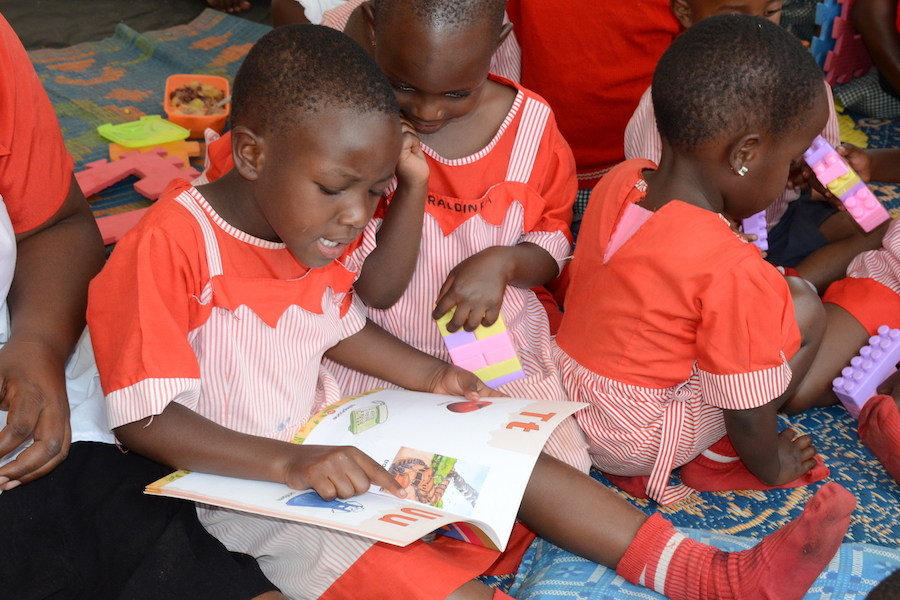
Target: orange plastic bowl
x=197 y=123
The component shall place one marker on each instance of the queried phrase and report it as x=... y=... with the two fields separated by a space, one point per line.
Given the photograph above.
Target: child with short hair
x=811 y=238
x=500 y=193
x=676 y=331
x=212 y=315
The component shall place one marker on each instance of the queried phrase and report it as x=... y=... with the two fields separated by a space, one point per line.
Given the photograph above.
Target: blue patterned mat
x=123 y=78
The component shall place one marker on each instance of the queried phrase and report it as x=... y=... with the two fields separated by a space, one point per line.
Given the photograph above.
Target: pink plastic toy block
x=849 y=58
x=757 y=226
x=875 y=363
x=862 y=205
x=489 y=352
x=830 y=167
x=156 y=171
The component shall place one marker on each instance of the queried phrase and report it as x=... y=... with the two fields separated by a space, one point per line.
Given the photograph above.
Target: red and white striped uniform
x=191 y=310
x=519 y=188
x=684 y=320
x=883 y=264
x=506 y=62
x=642 y=141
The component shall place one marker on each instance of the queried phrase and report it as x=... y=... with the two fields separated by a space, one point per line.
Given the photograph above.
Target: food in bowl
x=196 y=98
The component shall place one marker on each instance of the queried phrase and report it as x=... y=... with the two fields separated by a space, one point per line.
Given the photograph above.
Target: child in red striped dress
x=676 y=330
x=811 y=238
x=212 y=315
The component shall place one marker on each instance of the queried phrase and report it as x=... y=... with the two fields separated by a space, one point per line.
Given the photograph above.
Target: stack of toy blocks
x=876 y=362
x=839 y=48
x=488 y=352
x=756 y=225
x=834 y=173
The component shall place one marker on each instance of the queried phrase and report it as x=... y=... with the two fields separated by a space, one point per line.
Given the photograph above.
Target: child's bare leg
x=472 y=590
x=578 y=514
x=844 y=336
x=273 y=595
x=231 y=6
x=845 y=240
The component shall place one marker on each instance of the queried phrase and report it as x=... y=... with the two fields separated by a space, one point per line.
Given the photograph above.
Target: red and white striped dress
x=684 y=320
x=871 y=290
x=194 y=311
x=519 y=188
x=642 y=141
x=506 y=62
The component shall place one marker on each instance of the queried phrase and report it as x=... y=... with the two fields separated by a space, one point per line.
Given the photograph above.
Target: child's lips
x=330 y=248
x=430 y=127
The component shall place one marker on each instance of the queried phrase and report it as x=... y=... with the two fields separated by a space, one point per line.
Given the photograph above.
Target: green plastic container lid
x=146 y=131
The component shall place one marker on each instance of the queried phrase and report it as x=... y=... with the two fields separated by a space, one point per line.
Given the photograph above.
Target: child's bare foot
x=782 y=566
x=231 y=6
x=719 y=469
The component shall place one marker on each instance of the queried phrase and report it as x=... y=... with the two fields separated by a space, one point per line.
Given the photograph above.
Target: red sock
x=879 y=429
x=719 y=469
x=636 y=486
x=782 y=566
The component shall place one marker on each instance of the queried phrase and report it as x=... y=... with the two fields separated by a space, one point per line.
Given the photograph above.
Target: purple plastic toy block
x=863 y=206
x=875 y=363
x=460 y=338
x=757 y=225
x=495 y=383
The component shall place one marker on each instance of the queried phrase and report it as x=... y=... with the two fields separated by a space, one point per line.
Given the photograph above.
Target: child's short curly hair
x=731 y=72
x=446 y=14
x=296 y=70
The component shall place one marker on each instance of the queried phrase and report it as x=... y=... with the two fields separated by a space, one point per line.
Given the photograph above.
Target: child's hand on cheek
x=337 y=472
x=796 y=455
x=798 y=176
x=475 y=287
x=412 y=169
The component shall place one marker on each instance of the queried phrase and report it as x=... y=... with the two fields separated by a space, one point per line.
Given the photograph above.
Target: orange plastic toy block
x=183 y=149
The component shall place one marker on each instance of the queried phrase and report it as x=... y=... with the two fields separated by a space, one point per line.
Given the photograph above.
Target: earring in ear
x=742 y=171
x=373 y=42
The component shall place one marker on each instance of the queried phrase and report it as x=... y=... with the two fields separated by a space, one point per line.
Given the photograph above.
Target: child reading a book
x=212 y=315
x=500 y=192
x=810 y=237
x=676 y=331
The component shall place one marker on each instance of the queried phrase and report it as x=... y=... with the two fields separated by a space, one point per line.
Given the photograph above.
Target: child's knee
x=808 y=311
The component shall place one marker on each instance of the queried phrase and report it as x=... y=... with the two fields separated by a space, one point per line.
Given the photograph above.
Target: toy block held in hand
x=834 y=173
x=756 y=225
x=488 y=352
x=156 y=171
x=876 y=362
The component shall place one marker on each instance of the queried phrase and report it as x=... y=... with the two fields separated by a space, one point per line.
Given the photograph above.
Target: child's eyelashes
x=457 y=95
x=329 y=192
x=402 y=87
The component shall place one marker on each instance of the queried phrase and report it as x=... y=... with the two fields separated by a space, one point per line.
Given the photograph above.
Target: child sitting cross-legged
x=685 y=342
x=211 y=318
x=810 y=237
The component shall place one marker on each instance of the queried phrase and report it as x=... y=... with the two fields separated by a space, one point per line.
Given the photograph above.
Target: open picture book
x=465 y=466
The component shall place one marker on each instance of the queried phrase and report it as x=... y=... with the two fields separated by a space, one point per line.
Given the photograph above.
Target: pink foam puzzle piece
x=874 y=363
x=758 y=226
x=155 y=170
x=849 y=58
x=113 y=227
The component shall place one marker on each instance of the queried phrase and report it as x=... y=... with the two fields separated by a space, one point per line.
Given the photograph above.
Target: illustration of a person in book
x=426 y=477
x=316 y=501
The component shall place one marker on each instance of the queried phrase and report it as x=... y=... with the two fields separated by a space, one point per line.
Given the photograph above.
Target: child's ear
x=368 y=16
x=504 y=32
x=743 y=153
x=248 y=150
x=683 y=12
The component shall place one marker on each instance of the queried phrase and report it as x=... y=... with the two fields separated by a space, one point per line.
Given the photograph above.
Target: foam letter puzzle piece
x=875 y=363
x=861 y=203
x=156 y=171
x=489 y=352
x=183 y=149
x=113 y=227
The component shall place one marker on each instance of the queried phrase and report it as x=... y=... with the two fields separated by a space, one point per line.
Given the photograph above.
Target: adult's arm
x=876 y=22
